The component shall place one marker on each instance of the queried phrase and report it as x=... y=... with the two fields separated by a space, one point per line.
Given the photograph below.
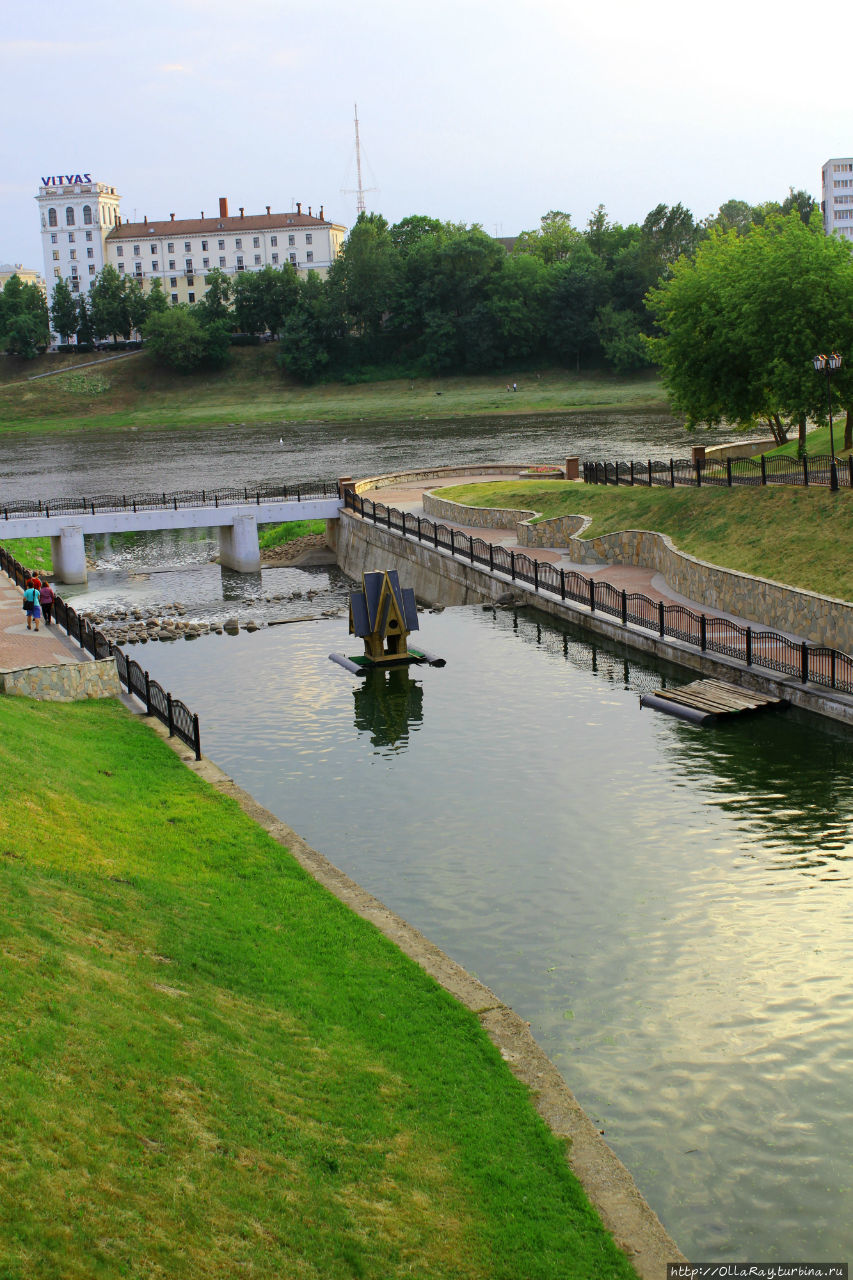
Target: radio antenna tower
x=360 y=191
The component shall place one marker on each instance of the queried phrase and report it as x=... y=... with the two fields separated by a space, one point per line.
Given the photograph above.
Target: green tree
x=306 y=334
x=85 y=333
x=108 y=305
x=157 y=300
x=136 y=301
x=215 y=303
x=24 y=319
x=181 y=339
x=363 y=282
x=553 y=242
x=263 y=299
x=63 y=311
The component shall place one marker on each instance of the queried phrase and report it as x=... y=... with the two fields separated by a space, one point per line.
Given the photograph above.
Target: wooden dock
x=705 y=701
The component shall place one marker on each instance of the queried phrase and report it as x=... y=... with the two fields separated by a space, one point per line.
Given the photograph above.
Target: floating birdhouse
x=382 y=614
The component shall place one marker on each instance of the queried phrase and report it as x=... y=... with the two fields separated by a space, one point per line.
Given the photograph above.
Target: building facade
x=24 y=274
x=837 y=196
x=82 y=231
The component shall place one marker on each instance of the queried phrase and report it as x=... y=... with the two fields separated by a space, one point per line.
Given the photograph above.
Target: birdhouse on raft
x=382 y=614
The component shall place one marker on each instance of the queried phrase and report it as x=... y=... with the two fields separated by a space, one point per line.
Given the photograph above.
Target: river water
x=669 y=907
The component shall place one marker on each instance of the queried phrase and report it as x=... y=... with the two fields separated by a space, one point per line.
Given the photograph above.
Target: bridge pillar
x=238 y=545
x=68 y=552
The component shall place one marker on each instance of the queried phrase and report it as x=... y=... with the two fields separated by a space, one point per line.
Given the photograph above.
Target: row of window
x=843 y=182
x=842 y=168
x=238 y=244
x=53 y=237
x=108 y=212
x=205 y=263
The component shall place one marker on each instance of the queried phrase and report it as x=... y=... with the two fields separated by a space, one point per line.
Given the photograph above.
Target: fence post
x=703 y=633
x=512 y=565
x=148 y=710
x=698 y=475
x=491 y=558
x=632 y=471
x=832 y=665
x=616 y=470
x=763 y=470
x=804 y=650
x=591 y=595
x=535 y=575
x=171 y=721
x=196 y=738
x=452 y=543
x=624 y=607
x=471 y=545
x=729 y=472
x=604 y=468
x=419 y=529
x=833 y=476
x=562 y=584
x=661 y=619
x=650 y=473
x=435 y=535
x=805 y=471
x=388 y=509
x=672 y=473
x=749 y=646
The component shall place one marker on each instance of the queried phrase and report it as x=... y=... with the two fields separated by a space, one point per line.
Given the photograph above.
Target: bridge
x=234 y=513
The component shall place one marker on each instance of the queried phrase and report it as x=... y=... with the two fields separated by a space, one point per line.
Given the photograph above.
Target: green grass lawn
x=211 y=1068
x=33 y=553
x=797 y=536
x=276 y=535
x=135 y=392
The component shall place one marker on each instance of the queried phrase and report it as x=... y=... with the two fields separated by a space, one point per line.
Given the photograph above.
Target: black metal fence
x=180 y=721
x=817 y=664
x=182 y=498
x=819 y=470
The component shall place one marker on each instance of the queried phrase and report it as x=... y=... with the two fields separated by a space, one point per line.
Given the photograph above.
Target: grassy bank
x=33 y=553
x=134 y=392
x=797 y=536
x=210 y=1067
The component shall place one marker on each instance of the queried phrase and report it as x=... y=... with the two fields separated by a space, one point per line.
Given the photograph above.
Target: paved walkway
x=19 y=647
x=409 y=498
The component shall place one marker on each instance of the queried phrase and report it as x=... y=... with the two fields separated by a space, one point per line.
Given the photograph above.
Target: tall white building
x=837 y=196
x=77 y=214
x=82 y=231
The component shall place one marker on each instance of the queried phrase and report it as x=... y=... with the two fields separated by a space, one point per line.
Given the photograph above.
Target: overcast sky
x=470 y=110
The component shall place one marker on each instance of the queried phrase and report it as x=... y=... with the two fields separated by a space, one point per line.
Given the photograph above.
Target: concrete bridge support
x=68 y=552
x=238 y=545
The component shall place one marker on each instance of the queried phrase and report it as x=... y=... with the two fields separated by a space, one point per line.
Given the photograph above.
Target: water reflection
x=387 y=703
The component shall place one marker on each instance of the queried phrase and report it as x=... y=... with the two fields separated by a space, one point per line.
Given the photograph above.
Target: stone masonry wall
x=63 y=682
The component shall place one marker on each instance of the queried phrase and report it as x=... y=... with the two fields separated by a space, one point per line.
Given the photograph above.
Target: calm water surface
x=670 y=907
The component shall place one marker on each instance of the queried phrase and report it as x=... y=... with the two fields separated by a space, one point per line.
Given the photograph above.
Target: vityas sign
x=66 y=179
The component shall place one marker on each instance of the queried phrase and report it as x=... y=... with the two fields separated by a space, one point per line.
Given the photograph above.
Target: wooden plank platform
x=704 y=701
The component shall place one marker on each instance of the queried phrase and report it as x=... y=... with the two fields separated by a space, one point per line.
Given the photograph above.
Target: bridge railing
x=110 y=503
x=176 y=715
x=818 y=664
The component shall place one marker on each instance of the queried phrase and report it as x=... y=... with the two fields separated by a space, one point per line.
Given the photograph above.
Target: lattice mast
x=360 y=191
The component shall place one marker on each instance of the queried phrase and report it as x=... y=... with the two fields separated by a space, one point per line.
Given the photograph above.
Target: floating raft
x=705 y=701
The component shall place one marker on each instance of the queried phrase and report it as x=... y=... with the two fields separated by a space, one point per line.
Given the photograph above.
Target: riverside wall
x=63 y=682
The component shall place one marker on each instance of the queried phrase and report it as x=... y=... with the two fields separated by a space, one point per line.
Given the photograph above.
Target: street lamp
x=829 y=364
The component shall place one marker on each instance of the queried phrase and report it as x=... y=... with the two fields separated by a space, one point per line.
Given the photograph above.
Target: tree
x=157 y=300
x=263 y=299
x=63 y=311
x=136 y=302
x=85 y=333
x=24 y=319
x=578 y=286
x=553 y=242
x=181 y=339
x=108 y=305
x=363 y=281
x=214 y=304
x=305 y=336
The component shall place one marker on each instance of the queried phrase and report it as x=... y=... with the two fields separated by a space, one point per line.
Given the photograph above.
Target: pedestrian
x=46 y=599
x=515 y=386
x=32 y=604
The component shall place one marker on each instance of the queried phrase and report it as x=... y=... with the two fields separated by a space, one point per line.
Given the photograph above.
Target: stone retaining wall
x=474 y=517
x=63 y=682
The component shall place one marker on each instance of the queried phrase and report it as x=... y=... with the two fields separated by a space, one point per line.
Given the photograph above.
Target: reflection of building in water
x=386 y=703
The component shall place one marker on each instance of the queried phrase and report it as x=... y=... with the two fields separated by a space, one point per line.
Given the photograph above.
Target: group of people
x=38 y=601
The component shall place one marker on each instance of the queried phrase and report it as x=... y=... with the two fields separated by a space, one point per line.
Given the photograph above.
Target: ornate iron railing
x=817 y=664
x=180 y=721
x=109 y=503
x=819 y=470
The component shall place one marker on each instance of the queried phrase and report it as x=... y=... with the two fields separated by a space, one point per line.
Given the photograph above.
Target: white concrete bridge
x=235 y=514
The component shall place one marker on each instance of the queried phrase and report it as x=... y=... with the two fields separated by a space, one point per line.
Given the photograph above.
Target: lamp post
x=829 y=365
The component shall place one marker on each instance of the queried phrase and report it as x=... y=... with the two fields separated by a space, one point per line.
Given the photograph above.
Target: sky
x=469 y=111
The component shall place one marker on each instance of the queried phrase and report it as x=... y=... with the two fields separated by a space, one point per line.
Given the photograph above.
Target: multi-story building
x=82 y=231
x=24 y=274
x=837 y=196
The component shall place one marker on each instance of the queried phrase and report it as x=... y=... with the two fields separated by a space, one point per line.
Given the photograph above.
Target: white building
x=76 y=216
x=82 y=231
x=837 y=196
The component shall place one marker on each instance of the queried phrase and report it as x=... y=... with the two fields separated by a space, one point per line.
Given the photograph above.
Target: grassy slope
x=797 y=536
x=134 y=392
x=210 y=1067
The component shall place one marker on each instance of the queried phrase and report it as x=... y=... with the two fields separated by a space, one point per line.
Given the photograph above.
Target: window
x=69 y=216
x=51 y=217
x=274 y=241
x=53 y=237
x=70 y=237
x=56 y=271
x=293 y=258
x=204 y=246
x=120 y=251
x=56 y=255
x=275 y=257
x=154 y=265
x=240 y=266
x=138 y=266
x=136 y=251
x=256 y=242
x=91 y=268
x=221 y=244
x=205 y=262
x=73 y=270
x=310 y=255
x=187 y=247
x=309 y=239
x=174 y=297
x=190 y=281
x=238 y=243
x=171 y=246
x=90 y=252
x=87 y=215
x=153 y=248
x=188 y=263
x=171 y=264
x=75 y=286
x=222 y=262
x=291 y=239
x=73 y=253
x=121 y=268
x=191 y=297
x=257 y=259
x=173 y=283
x=88 y=235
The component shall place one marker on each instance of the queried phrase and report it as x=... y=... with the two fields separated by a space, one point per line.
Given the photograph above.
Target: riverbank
x=252 y=389
x=186 y=1069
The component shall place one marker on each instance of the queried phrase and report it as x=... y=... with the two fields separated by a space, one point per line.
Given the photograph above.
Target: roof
x=198 y=226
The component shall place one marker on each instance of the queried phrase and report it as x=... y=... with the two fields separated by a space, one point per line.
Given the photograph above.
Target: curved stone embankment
x=634 y=1225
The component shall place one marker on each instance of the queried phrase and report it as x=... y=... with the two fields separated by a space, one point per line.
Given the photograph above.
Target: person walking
x=32 y=604
x=46 y=599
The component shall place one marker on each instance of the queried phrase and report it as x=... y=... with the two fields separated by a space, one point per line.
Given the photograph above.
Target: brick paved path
x=22 y=648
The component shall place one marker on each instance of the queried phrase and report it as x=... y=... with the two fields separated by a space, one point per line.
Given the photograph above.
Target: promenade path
x=47 y=647
x=409 y=498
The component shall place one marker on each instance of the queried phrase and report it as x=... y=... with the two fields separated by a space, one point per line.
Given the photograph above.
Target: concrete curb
x=634 y=1225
